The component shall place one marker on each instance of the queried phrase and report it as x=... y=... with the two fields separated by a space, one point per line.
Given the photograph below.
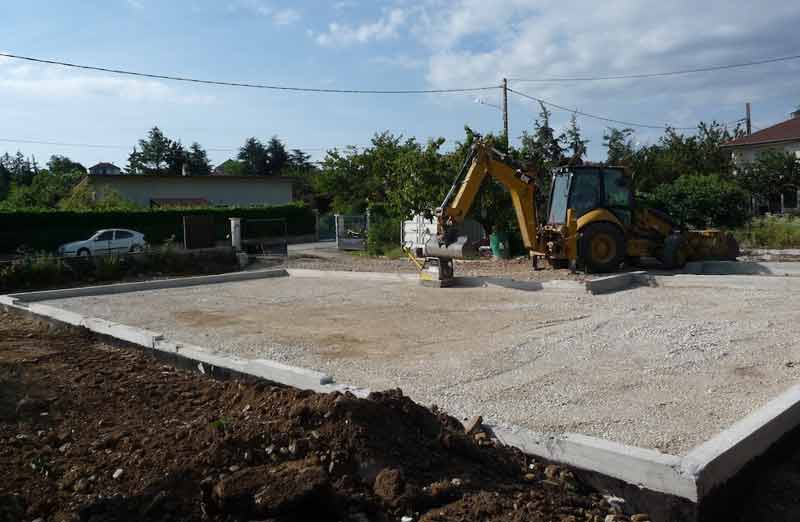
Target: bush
x=46 y=271
x=384 y=230
x=702 y=201
x=47 y=229
x=770 y=232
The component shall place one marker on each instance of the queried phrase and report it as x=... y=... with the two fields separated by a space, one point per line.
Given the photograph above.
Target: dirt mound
x=96 y=433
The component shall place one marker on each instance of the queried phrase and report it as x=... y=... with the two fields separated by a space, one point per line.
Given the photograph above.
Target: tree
x=703 y=201
x=157 y=155
x=63 y=165
x=543 y=147
x=45 y=190
x=277 y=157
x=419 y=178
x=575 y=142
x=21 y=170
x=82 y=197
x=5 y=181
x=299 y=160
x=254 y=157
x=620 y=146
x=197 y=161
x=769 y=174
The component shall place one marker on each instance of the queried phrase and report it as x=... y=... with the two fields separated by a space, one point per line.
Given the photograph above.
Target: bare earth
x=664 y=368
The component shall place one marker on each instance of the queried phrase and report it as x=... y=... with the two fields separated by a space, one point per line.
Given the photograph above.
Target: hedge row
x=45 y=230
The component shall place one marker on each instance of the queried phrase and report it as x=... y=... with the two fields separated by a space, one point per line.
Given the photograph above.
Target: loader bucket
x=706 y=245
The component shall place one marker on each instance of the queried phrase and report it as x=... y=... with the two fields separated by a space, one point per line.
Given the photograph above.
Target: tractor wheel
x=675 y=254
x=602 y=247
x=732 y=248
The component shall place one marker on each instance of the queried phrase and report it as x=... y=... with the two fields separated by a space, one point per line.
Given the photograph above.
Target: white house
x=160 y=191
x=783 y=136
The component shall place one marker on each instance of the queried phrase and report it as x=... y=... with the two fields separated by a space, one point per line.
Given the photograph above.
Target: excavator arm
x=483 y=161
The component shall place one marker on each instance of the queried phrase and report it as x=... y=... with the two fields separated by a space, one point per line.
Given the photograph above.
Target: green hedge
x=384 y=229
x=45 y=230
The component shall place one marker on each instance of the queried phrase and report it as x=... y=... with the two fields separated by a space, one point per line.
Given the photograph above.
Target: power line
x=596 y=117
x=245 y=84
x=658 y=74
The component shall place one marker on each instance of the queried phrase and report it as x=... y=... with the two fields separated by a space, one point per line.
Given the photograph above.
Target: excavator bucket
x=712 y=244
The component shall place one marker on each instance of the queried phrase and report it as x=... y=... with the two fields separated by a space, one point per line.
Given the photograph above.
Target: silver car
x=105 y=242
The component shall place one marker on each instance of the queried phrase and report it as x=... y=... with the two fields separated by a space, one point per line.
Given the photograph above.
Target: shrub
x=702 y=201
x=47 y=271
x=770 y=232
x=384 y=230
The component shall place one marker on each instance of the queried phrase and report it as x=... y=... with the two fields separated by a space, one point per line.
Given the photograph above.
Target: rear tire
x=674 y=256
x=601 y=247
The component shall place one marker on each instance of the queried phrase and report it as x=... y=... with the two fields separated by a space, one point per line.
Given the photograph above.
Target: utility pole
x=748 y=124
x=505 y=111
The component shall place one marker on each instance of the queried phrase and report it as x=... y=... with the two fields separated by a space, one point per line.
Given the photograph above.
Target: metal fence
x=267 y=237
x=327 y=227
x=351 y=231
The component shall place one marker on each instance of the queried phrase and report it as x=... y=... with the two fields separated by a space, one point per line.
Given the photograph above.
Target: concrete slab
x=616 y=282
x=139 y=286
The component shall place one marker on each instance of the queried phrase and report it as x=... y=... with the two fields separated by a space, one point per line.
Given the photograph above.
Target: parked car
x=104 y=242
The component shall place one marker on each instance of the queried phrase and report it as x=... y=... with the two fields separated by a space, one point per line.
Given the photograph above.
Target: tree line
x=689 y=175
x=24 y=183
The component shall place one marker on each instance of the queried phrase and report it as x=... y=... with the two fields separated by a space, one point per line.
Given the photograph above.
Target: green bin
x=498 y=241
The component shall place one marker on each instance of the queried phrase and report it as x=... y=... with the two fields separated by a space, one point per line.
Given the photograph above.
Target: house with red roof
x=781 y=137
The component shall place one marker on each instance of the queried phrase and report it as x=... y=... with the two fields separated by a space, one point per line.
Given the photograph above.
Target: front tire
x=601 y=247
x=84 y=252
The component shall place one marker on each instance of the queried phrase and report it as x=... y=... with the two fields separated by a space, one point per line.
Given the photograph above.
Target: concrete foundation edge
x=616 y=282
x=720 y=458
x=197 y=357
x=640 y=467
x=138 y=286
x=343 y=274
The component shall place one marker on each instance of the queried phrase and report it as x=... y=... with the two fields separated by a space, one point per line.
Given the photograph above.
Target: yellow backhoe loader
x=593 y=222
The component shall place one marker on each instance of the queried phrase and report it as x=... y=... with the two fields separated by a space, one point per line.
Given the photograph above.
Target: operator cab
x=585 y=188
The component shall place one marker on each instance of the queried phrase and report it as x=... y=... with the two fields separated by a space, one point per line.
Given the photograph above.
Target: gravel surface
x=664 y=368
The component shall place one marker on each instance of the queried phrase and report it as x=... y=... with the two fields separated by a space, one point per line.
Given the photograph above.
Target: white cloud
x=470 y=45
x=286 y=16
x=46 y=82
x=402 y=60
x=344 y=4
x=135 y=4
x=385 y=28
x=278 y=16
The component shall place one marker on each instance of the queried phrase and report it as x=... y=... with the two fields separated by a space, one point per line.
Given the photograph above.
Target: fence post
x=316 y=224
x=236 y=233
x=336 y=227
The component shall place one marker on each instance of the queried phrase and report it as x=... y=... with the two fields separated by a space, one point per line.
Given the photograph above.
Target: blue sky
x=379 y=44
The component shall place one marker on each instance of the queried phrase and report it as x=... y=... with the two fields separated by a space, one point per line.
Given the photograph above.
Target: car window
x=108 y=235
x=122 y=234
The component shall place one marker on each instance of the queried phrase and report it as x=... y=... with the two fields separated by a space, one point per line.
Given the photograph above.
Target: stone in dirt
x=389 y=485
x=289 y=488
x=473 y=425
